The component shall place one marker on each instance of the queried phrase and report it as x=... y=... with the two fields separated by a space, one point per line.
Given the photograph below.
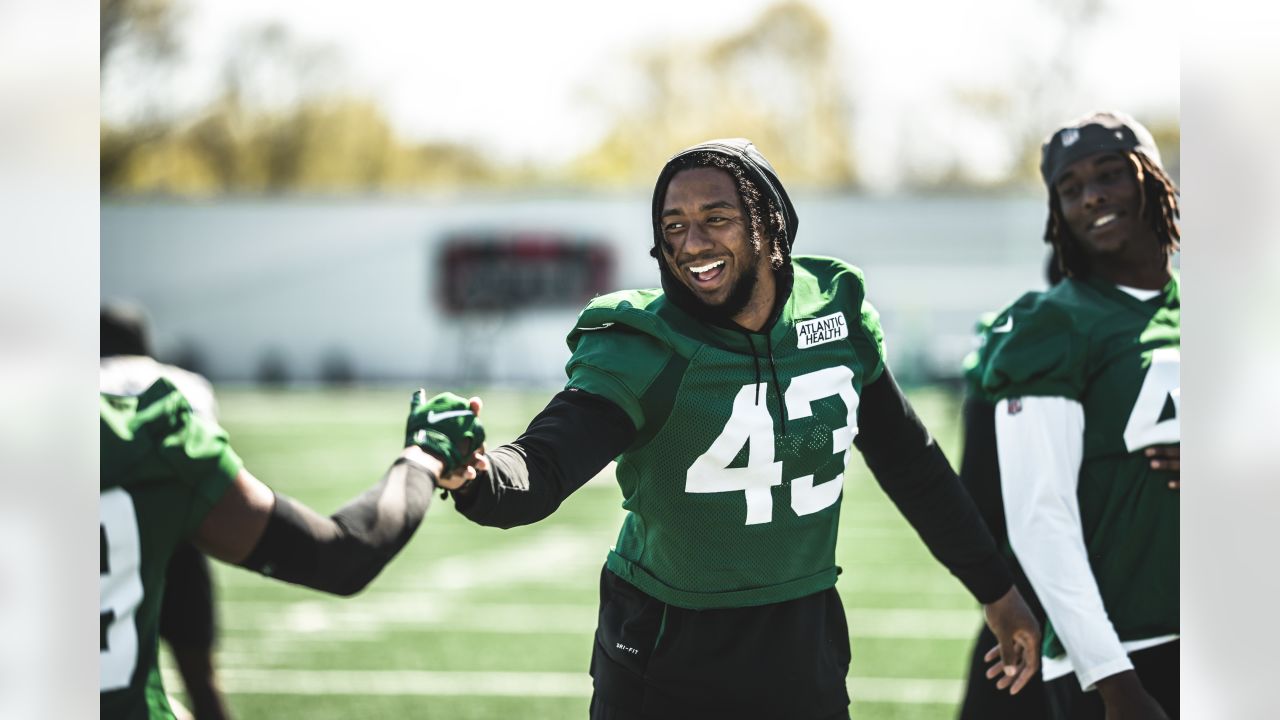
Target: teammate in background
x=169 y=475
x=730 y=398
x=980 y=475
x=188 y=622
x=1086 y=379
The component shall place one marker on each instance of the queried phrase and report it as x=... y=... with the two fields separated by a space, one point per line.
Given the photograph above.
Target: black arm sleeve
x=342 y=553
x=574 y=437
x=915 y=474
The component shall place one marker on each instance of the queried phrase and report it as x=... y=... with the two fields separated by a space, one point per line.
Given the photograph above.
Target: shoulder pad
x=1033 y=348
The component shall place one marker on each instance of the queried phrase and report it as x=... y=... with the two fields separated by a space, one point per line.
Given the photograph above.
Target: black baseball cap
x=1092 y=134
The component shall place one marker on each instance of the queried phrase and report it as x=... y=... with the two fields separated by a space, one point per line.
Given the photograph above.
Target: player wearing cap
x=1086 y=376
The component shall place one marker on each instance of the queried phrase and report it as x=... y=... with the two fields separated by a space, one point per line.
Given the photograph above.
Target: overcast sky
x=513 y=75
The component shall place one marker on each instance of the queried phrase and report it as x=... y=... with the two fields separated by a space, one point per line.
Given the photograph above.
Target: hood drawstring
x=777 y=387
x=773 y=370
x=756 y=360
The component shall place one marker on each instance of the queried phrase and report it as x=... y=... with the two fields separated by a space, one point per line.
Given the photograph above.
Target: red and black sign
x=504 y=272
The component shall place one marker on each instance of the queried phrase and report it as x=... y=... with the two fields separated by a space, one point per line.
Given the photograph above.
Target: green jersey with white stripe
x=162 y=469
x=733 y=483
x=1118 y=356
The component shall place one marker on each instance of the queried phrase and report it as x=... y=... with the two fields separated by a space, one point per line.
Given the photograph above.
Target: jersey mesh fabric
x=1118 y=357
x=686 y=539
x=166 y=467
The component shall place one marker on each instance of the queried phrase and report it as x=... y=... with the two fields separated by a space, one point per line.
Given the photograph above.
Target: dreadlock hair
x=768 y=225
x=1159 y=208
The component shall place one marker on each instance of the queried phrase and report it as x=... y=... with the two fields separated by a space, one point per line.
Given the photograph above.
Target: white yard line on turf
x=409 y=612
x=248 y=681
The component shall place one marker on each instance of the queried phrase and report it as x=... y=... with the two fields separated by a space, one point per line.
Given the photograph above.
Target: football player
x=187 y=618
x=730 y=398
x=1087 y=424
x=169 y=475
x=980 y=475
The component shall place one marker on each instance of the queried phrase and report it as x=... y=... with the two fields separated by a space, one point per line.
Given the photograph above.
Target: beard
x=720 y=314
x=739 y=296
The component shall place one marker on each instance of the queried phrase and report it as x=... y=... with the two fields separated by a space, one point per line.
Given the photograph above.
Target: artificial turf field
x=473 y=622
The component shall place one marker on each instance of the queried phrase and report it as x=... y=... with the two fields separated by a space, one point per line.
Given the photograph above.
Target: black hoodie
x=762 y=174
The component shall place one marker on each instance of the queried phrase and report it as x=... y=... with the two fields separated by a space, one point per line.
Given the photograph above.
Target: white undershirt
x=133 y=374
x=1143 y=295
x=1040 y=447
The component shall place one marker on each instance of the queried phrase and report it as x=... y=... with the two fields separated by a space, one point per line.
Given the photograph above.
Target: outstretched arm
x=575 y=437
x=915 y=474
x=277 y=536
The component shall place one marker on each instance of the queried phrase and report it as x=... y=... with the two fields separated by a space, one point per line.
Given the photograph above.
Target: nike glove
x=443 y=426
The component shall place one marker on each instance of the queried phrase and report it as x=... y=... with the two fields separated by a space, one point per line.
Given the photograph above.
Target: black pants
x=602 y=711
x=653 y=660
x=187 y=617
x=1157 y=668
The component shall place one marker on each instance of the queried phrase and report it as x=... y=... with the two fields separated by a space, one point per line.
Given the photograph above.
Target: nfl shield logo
x=1070 y=136
x=1015 y=406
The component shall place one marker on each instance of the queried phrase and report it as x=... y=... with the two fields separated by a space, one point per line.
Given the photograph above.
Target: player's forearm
x=568 y=443
x=915 y=474
x=1040 y=449
x=342 y=553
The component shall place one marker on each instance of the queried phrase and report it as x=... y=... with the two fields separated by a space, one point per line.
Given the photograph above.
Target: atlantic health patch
x=821 y=330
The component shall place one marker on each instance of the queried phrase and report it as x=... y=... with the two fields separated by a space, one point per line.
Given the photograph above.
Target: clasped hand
x=448 y=427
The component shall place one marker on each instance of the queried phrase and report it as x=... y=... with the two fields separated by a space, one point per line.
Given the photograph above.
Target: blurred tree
x=148 y=27
x=1168 y=136
x=1023 y=110
x=283 y=120
x=774 y=82
x=148 y=23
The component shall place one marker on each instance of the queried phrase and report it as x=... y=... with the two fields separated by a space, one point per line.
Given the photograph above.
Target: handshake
x=447 y=427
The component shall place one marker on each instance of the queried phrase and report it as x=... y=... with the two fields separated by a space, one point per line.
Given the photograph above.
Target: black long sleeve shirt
x=578 y=434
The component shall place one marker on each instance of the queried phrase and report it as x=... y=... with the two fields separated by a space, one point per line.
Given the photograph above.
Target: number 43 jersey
x=162 y=469
x=1118 y=356
x=733 y=483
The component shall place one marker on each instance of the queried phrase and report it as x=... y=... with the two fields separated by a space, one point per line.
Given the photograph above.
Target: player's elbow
x=354 y=580
x=1023 y=539
x=352 y=563
x=351 y=587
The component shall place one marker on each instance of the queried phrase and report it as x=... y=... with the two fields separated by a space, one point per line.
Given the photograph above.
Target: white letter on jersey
x=710 y=473
x=1161 y=386
x=119 y=589
x=803 y=392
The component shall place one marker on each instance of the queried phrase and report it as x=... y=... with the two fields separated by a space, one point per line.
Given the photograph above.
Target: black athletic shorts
x=654 y=660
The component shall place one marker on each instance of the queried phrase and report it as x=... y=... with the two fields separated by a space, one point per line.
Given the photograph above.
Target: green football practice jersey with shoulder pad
x=972 y=364
x=734 y=481
x=162 y=469
x=1117 y=356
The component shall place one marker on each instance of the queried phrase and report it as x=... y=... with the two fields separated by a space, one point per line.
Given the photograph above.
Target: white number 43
x=752 y=425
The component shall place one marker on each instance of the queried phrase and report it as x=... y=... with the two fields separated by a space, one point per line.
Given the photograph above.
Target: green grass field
x=473 y=622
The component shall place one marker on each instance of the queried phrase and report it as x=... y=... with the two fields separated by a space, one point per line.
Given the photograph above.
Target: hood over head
x=761 y=174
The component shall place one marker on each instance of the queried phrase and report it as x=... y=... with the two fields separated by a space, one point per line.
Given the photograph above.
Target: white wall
x=304 y=277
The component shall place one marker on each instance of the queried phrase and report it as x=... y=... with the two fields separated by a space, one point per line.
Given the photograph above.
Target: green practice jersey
x=1117 y=356
x=162 y=469
x=733 y=483
x=973 y=362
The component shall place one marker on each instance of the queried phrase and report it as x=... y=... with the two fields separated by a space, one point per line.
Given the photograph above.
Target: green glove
x=443 y=426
